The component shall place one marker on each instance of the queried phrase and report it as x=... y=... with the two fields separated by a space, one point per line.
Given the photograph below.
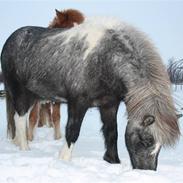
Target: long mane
x=154 y=97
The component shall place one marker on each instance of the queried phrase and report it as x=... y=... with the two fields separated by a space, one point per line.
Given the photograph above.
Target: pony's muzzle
x=142 y=147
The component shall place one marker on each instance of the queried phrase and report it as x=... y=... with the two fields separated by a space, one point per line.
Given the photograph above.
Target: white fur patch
x=92 y=30
x=66 y=152
x=156 y=149
x=21 y=136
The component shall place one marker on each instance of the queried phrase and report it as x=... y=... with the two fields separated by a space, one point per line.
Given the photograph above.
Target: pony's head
x=66 y=19
x=141 y=145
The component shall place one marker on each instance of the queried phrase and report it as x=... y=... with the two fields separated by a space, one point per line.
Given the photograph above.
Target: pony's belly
x=105 y=100
x=61 y=99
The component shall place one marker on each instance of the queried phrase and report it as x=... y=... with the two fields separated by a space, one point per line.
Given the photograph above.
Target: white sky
x=161 y=20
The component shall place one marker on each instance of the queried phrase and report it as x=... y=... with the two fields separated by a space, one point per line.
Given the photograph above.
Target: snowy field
x=41 y=164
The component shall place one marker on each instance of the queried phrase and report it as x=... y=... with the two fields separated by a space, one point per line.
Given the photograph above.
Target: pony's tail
x=1 y=78
x=10 y=116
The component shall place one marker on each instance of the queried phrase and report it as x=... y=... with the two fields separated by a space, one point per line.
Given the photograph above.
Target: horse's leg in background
x=49 y=111
x=56 y=119
x=45 y=115
x=109 y=119
x=76 y=112
x=33 y=120
x=41 y=116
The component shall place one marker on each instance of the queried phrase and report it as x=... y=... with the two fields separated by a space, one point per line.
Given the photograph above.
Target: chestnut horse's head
x=66 y=19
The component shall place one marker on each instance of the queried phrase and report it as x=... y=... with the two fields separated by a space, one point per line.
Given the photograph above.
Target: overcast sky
x=161 y=20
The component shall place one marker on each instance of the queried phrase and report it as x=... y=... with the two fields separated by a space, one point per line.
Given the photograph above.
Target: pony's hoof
x=64 y=157
x=110 y=159
x=57 y=136
x=24 y=147
x=16 y=141
x=30 y=137
x=66 y=152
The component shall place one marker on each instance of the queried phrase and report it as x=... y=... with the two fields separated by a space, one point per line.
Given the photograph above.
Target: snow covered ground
x=41 y=163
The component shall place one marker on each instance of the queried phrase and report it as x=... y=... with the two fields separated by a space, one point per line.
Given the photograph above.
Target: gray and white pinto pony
x=94 y=64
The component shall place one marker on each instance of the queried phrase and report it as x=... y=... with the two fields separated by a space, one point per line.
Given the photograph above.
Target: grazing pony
x=49 y=112
x=98 y=63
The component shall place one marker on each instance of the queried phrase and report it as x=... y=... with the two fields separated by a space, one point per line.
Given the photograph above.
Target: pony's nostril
x=147 y=142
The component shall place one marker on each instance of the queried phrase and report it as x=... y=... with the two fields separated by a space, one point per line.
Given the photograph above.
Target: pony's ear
x=148 y=120
x=57 y=12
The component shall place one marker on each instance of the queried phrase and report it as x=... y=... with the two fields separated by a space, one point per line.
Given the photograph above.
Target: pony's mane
x=67 y=19
x=154 y=97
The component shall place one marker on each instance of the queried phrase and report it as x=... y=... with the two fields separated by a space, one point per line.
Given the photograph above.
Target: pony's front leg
x=20 y=134
x=109 y=119
x=76 y=112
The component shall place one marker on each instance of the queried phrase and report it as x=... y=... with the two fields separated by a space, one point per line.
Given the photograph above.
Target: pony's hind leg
x=76 y=112
x=22 y=101
x=20 y=134
x=109 y=119
x=56 y=120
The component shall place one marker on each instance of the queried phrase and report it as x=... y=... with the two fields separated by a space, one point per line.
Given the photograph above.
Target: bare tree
x=175 y=71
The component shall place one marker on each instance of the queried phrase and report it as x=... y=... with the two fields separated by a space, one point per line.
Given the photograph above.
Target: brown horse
x=48 y=113
x=66 y=19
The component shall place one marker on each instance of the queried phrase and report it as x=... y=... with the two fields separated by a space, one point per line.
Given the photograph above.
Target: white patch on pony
x=156 y=149
x=92 y=39
x=92 y=29
x=21 y=135
x=66 y=152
